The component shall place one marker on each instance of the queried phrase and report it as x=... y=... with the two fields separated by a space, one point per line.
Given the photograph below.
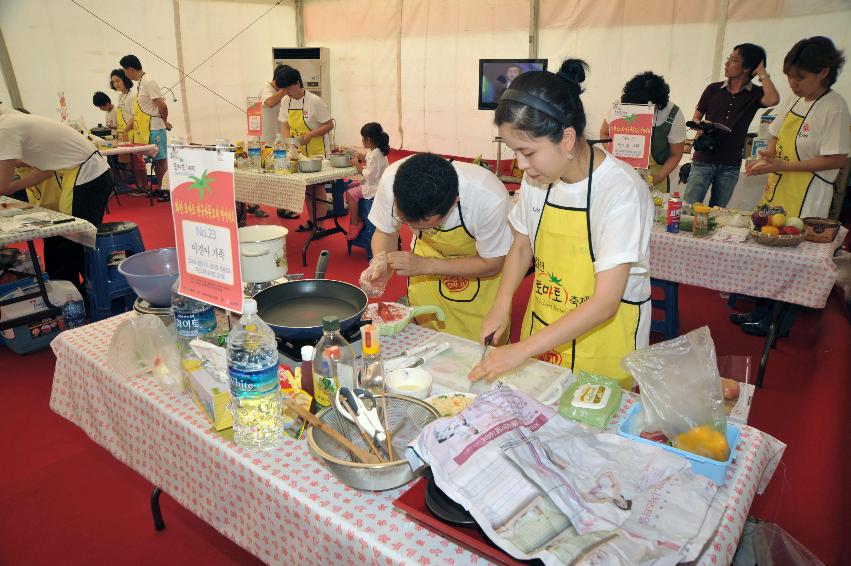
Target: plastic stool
x=104 y=283
x=101 y=307
x=669 y=326
x=364 y=239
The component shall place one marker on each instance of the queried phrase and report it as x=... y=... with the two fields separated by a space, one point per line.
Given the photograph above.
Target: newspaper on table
x=543 y=487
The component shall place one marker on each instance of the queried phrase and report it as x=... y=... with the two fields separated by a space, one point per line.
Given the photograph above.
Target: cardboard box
x=212 y=396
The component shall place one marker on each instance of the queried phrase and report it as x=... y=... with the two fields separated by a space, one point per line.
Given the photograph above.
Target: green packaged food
x=591 y=399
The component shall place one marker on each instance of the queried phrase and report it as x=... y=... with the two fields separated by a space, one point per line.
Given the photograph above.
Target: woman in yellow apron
x=665 y=154
x=809 y=144
x=583 y=224
x=126 y=125
x=295 y=125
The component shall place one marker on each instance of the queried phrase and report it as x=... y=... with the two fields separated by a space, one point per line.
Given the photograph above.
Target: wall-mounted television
x=496 y=74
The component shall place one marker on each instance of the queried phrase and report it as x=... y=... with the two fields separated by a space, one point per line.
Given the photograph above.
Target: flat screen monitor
x=496 y=74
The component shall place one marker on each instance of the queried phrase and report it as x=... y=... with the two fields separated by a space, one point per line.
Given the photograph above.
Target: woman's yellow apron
x=789 y=189
x=464 y=301
x=122 y=123
x=56 y=192
x=141 y=121
x=298 y=127
x=564 y=279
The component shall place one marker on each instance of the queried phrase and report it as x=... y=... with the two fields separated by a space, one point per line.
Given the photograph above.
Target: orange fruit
x=778 y=220
x=773 y=230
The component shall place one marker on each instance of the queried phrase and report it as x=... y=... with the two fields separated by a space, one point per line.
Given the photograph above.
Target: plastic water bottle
x=675 y=208
x=192 y=319
x=255 y=391
x=255 y=154
x=280 y=155
x=74 y=312
x=333 y=363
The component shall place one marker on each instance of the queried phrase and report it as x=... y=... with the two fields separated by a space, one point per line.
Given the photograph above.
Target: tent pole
x=184 y=100
x=534 y=9
x=9 y=74
x=720 y=32
x=299 y=23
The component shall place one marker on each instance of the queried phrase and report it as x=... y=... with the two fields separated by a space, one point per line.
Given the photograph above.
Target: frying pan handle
x=322 y=264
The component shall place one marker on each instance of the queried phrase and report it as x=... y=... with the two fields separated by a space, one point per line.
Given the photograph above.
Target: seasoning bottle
x=372 y=370
x=307 y=373
x=333 y=363
x=701 y=220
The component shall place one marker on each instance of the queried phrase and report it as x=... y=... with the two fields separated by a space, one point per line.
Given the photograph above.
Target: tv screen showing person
x=496 y=75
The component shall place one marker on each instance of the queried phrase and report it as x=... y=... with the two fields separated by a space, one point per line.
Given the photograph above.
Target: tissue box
x=213 y=396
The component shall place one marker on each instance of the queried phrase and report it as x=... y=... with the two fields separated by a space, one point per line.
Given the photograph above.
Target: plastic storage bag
x=681 y=393
x=143 y=344
x=374 y=278
x=765 y=543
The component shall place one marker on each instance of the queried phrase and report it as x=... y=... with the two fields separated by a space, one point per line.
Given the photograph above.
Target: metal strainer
x=406 y=417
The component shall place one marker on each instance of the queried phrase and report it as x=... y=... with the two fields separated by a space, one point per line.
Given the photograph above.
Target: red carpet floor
x=63 y=499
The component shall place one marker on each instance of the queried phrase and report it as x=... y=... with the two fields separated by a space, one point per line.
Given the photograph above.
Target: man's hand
x=407 y=263
x=758 y=70
x=168 y=126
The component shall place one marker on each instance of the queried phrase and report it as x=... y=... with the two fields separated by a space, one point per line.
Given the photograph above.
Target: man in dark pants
x=70 y=176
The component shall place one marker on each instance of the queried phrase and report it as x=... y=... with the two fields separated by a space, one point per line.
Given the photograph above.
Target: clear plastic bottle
x=268 y=158
x=255 y=156
x=675 y=208
x=333 y=363
x=280 y=155
x=371 y=375
x=192 y=319
x=74 y=312
x=241 y=155
x=307 y=374
x=256 y=401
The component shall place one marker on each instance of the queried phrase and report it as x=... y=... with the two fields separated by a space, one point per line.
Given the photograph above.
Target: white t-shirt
x=376 y=163
x=824 y=132
x=269 y=117
x=110 y=120
x=316 y=112
x=126 y=101
x=621 y=220
x=48 y=145
x=147 y=91
x=677 y=134
x=483 y=200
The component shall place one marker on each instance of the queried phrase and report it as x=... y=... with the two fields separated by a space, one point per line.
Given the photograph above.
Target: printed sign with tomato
x=205 y=229
x=631 y=129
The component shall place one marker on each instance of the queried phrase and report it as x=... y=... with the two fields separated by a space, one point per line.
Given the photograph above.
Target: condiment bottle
x=371 y=375
x=307 y=373
x=701 y=220
x=675 y=208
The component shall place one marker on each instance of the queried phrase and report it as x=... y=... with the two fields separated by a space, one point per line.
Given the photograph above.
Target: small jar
x=701 y=220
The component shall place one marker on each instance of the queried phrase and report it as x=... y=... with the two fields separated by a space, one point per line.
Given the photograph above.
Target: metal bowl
x=341 y=160
x=310 y=165
x=406 y=418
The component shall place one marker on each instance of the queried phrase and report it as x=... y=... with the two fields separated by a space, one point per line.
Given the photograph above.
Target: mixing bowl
x=151 y=274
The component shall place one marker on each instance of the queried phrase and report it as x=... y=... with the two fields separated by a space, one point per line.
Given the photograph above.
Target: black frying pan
x=295 y=309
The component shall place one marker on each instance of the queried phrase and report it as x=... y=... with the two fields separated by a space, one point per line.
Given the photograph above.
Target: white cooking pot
x=262 y=253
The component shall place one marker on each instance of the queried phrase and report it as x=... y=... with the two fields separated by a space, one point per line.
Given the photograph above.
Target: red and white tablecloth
x=803 y=275
x=282 y=505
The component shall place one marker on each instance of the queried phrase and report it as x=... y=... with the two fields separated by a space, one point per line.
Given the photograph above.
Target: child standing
x=371 y=166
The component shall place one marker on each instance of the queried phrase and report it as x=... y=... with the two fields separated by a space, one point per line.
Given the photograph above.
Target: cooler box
x=26 y=338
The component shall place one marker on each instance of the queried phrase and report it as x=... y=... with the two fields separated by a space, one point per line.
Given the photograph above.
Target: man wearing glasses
x=732 y=103
x=458 y=213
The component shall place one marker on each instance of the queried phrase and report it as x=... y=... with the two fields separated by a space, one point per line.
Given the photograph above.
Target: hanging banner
x=631 y=129
x=205 y=229
x=254 y=117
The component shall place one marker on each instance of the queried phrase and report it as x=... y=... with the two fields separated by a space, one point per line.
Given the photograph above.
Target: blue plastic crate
x=712 y=469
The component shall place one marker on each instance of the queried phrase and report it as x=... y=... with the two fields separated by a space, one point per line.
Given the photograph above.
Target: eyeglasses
x=424 y=231
x=733 y=60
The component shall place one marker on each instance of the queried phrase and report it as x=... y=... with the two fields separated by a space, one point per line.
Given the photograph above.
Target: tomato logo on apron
x=551 y=357
x=456 y=284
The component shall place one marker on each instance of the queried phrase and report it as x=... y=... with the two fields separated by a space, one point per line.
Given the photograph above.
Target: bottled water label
x=192 y=324
x=253 y=382
x=254 y=153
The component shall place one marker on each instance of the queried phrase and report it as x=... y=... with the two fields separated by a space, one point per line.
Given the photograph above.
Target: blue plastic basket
x=712 y=469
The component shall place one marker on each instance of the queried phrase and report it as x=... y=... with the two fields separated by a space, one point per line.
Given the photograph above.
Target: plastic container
x=192 y=319
x=255 y=156
x=333 y=363
x=371 y=375
x=712 y=469
x=256 y=403
x=152 y=274
x=700 y=227
x=280 y=155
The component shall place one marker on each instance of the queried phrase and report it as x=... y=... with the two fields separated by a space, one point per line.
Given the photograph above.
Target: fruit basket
x=777 y=240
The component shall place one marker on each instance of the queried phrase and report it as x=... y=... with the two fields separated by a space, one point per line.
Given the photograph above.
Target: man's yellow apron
x=564 y=279
x=141 y=121
x=789 y=189
x=298 y=127
x=56 y=192
x=464 y=301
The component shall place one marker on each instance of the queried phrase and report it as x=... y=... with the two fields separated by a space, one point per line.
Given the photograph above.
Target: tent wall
x=409 y=64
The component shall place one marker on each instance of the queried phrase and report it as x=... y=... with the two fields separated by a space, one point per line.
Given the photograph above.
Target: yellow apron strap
x=465 y=301
x=298 y=127
x=789 y=189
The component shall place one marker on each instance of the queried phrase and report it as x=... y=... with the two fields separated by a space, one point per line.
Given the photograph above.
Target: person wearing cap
x=583 y=224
